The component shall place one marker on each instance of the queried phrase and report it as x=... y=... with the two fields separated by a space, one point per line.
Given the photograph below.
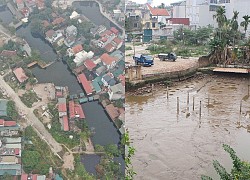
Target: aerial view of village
x=187 y=109
x=62 y=89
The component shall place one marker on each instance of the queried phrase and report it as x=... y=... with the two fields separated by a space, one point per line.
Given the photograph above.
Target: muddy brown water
x=183 y=147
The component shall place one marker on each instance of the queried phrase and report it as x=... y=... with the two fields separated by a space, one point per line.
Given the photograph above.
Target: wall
x=206 y=16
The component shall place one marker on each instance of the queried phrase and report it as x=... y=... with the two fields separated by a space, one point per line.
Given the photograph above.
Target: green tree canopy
x=30 y=160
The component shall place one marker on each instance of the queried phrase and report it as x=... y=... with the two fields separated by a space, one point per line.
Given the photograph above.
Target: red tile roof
x=19 y=1
x=117 y=41
x=1 y=122
x=34 y=176
x=114 y=30
x=158 y=11
x=79 y=111
x=8 y=53
x=62 y=107
x=58 y=21
x=24 y=176
x=50 y=33
x=104 y=39
x=9 y=123
x=77 y=48
x=85 y=83
x=45 y=23
x=109 y=47
x=59 y=94
x=90 y=65
x=112 y=111
x=65 y=123
x=184 y=21
x=122 y=79
x=20 y=74
x=71 y=109
x=106 y=33
x=107 y=59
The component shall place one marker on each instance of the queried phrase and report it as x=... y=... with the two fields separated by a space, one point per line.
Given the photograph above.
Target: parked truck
x=169 y=56
x=142 y=59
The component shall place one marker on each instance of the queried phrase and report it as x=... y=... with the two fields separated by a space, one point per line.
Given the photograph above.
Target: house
x=20 y=75
x=98 y=30
x=96 y=86
x=89 y=64
x=160 y=14
x=117 y=42
x=62 y=107
x=75 y=49
x=116 y=92
x=8 y=53
x=82 y=56
x=75 y=110
x=119 y=55
x=114 y=30
x=4 y=123
x=108 y=34
x=50 y=35
x=58 y=21
x=108 y=60
x=3 y=107
x=19 y=4
x=108 y=80
x=121 y=78
x=11 y=169
x=85 y=83
x=74 y=15
x=71 y=31
x=40 y=4
x=109 y=47
x=100 y=71
x=112 y=111
x=32 y=177
x=69 y=41
x=25 y=11
x=65 y=123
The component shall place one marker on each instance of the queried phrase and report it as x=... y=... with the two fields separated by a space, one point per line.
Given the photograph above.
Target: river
x=183 y=147
x=59 y=74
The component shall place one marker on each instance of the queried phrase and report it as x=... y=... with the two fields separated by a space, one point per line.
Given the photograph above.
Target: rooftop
x=20 y=74
x=90 y=65
x=65 y=123
x=77 y=48
x=107 y=59
x=85 y=83
x=157 y=11
x=112 y=111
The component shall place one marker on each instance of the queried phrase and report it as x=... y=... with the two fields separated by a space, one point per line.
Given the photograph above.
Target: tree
x=240 y=170
x=245 y=23
x=112 y=149
x=235 y=25
x=36 y=27
x=30 y=160
x=162 y=6
x=6 y=176
x=220 y=16
x=11 y=110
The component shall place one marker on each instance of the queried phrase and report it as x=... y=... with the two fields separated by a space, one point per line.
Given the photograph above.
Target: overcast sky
x=157 y=2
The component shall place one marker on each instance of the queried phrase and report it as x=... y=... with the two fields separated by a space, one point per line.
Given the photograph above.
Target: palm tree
x=245 y=23
x=220 y=16
x=234 y=25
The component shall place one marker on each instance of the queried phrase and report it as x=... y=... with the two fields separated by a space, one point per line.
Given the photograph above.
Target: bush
x=127 y=48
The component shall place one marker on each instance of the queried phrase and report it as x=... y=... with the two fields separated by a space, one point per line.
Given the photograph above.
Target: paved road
x=31 y=118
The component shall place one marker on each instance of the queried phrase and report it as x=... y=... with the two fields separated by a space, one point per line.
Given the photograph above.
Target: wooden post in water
x=200 y=109
x=208 y=102
x=193 y=103
x=248 y=90
x=177 y=105
x=167 y=92
x=152 y=88
x=240 y=106
x=188 y=102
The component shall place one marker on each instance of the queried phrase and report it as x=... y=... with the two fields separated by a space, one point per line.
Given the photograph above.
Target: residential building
x=116 y=92
x=69 y=41
x=20 y=4
x=20 y=75
x=108 y=60
x=85 y=83
x=62 y=107
x=108 y=80
x=75 y=110
x=112 y=111
x=75 y=49
x=71 y=31
x=12 y=169
x=160 y=14
x=65 y=123
x=8 y=53
x=74 y=15
x=101 y=70
x=89 y=64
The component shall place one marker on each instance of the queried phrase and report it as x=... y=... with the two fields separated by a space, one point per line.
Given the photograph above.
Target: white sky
x=157 y=2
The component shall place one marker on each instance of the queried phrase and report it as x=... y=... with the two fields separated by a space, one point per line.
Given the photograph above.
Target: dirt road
x=31 y=118
x=160 y=66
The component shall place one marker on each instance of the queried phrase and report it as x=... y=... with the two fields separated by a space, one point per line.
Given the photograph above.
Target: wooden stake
x=188 y=99
x=248 y=90
x=208 y=101
x=167 y=92
x=200 y=108
x=193 y=103
x=240 y=106
x=178 y=105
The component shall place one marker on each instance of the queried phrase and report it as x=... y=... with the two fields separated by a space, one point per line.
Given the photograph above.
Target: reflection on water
x=183 y=146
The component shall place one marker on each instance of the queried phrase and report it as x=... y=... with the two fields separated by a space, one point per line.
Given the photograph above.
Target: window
x=153 y=25
x=135 y=25
x=213 y=1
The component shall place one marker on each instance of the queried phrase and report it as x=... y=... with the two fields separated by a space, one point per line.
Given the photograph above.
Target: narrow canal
x=184 y=146
x=59 y=74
